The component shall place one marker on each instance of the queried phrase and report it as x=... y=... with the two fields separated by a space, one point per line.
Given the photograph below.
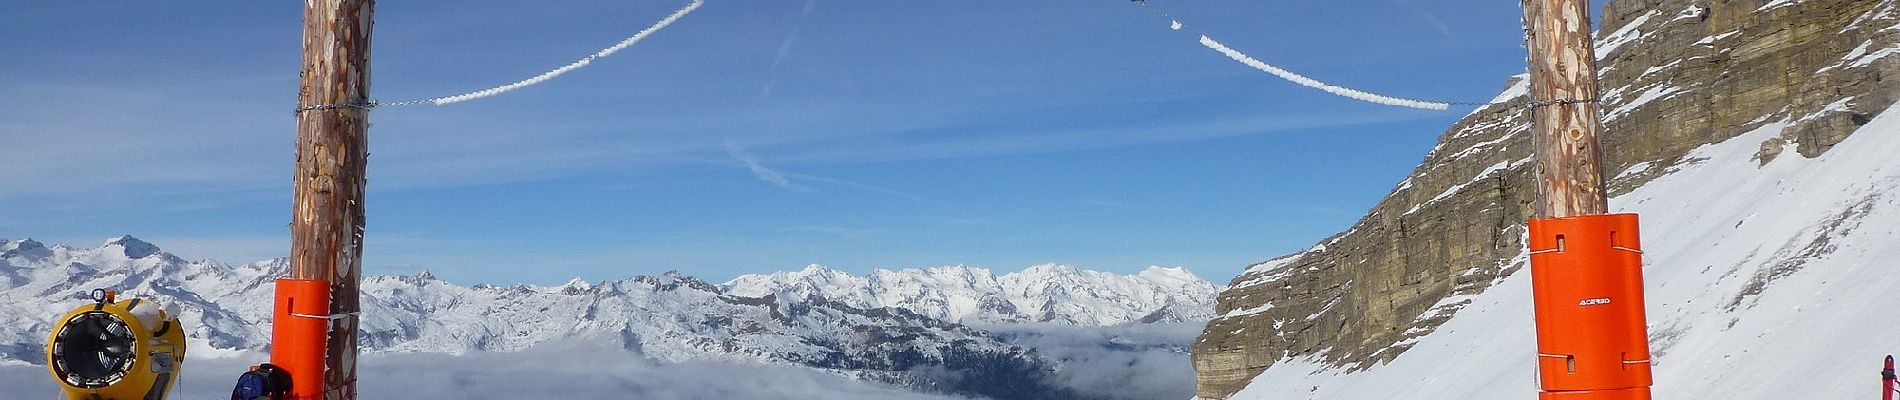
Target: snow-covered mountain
x=670 y=318
x=1755 y=138
x=38 y=283
x=1043 y=293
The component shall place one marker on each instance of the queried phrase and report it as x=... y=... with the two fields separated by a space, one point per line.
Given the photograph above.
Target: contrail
x=785 y=47
x=759 y=170
x=1350 y=93
x=545 y=76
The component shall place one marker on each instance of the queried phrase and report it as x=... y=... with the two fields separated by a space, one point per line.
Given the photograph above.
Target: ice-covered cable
x=1346 y=92
x=545 y=76
x=1243 y=58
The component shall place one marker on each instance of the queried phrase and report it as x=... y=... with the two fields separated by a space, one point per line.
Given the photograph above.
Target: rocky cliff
x=1677 y=74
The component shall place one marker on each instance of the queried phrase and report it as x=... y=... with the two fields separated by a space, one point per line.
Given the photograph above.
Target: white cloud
x=1085 y=138
x=1133 y=361
x=765 y=174
x=785 y=47
x=554 y=372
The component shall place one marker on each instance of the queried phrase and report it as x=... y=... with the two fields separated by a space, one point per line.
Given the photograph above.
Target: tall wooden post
x=1563 y=67
x=1586 y=264
x=332 y=134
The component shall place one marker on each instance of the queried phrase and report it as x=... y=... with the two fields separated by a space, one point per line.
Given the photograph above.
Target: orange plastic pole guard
x=1592 y=336
x=299 y=332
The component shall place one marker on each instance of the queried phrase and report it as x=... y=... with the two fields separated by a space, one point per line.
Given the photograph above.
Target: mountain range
x=1044 y=293
x=894 y=326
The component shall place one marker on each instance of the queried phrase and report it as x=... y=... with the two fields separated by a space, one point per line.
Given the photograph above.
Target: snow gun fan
x=116 y=350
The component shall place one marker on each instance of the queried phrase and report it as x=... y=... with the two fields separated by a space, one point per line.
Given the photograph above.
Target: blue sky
x=750 y=136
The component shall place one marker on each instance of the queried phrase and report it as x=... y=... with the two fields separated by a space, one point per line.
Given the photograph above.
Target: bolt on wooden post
x=1586 y=264
x=327 y=219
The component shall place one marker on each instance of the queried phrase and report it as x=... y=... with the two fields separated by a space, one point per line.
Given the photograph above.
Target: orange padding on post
x=1592 y=339
x=1635 y=393
x=299 y=332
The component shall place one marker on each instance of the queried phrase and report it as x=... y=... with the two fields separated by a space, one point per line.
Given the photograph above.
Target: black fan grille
x=93 y=349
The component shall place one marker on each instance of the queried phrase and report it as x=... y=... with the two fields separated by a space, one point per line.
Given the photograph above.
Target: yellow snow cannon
x=116 y=350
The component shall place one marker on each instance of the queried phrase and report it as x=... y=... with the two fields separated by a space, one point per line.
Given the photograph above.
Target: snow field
x=1764 y=282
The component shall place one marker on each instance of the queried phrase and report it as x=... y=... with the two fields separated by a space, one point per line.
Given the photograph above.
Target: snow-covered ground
x=1764 y=282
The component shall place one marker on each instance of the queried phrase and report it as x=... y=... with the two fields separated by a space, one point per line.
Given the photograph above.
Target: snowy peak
x=1168 y=272
x=420 y=279
x=1042 y=293
x=23 y=248
x=130 y=246
x=10 y=245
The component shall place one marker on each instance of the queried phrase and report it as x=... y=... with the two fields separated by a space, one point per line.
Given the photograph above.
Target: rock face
x=1677 y=74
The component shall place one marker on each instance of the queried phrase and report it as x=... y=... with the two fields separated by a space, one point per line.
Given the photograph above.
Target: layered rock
x=1677 y=74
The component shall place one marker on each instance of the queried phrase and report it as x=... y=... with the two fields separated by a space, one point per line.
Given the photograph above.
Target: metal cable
x=1207 y=40
x=531 y=81
x=1175 y=23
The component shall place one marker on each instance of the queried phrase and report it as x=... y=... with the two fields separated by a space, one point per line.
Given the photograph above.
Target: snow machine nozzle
x=1587 y=277
x=111 y=349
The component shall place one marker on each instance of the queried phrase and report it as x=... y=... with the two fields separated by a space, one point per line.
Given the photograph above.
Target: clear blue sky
x=993 y=133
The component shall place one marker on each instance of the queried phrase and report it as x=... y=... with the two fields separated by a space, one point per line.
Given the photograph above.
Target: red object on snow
x=1887 y=380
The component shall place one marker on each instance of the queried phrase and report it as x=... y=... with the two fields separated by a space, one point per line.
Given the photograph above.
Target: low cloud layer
x=553 y=372
x=1135 y=361
x=1138 y=361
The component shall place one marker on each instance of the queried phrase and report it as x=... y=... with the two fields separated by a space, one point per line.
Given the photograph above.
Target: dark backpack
x=267 y=382
x=250 y=386
x=277 y=386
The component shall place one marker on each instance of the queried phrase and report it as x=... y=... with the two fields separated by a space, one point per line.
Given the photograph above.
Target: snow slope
x=1043 y=293
x=1764 y=282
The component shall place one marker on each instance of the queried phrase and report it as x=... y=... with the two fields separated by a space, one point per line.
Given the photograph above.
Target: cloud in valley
x=568 y=371
x=1135 y=361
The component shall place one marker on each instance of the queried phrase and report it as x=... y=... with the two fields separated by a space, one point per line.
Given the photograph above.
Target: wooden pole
x=1586 y=264
x=1563 y=67
x=326 y=229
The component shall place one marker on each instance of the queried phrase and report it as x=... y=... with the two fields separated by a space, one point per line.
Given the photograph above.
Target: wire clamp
x=1542 y=103
x=365 y=106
